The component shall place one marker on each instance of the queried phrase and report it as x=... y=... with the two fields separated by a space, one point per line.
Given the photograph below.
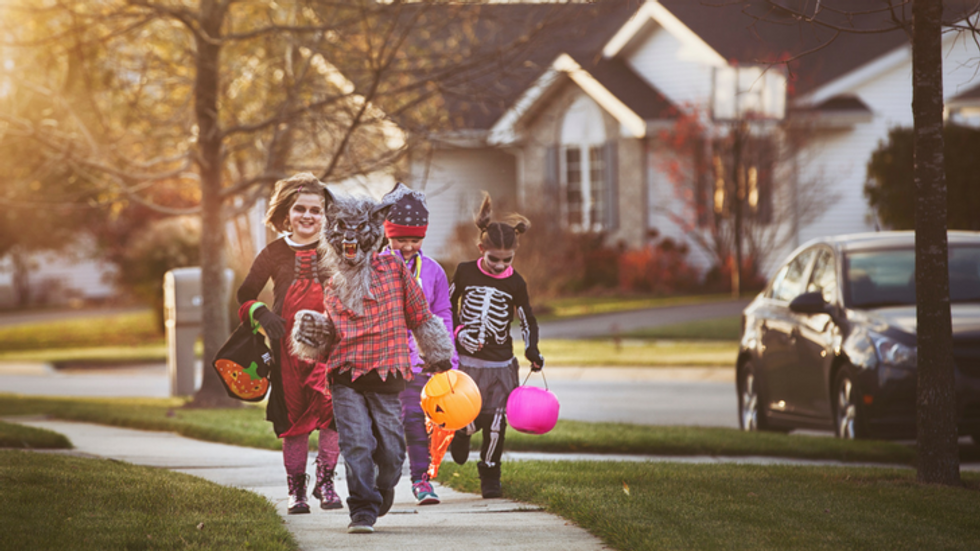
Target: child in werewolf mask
x=371 y=301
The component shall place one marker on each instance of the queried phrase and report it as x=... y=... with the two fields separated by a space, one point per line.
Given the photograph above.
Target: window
x=583 y=167
x=824 y=277
x=790 y=284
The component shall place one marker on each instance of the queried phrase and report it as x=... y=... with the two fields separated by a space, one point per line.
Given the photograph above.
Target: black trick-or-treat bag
x=243 y=364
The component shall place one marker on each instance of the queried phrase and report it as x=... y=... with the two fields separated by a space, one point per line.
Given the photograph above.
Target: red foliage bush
x=660 y=269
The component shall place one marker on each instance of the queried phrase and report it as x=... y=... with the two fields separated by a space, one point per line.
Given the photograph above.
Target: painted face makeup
x=306 y=218
x=495 y=261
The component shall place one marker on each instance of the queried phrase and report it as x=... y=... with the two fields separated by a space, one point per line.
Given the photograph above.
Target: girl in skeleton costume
x=299 y=402
x=485 y=295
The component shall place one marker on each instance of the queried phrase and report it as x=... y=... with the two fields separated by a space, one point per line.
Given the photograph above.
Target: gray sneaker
x=360 y=524
x=355 y=528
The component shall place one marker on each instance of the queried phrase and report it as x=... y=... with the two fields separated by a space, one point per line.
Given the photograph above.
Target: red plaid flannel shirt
x=378 y=338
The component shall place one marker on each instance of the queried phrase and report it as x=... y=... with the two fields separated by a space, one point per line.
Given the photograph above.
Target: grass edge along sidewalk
x=100 y=504
x=639 y=506
x=246 y=426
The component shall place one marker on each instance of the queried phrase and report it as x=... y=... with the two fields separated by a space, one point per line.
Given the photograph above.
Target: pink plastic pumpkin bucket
x=532 y=410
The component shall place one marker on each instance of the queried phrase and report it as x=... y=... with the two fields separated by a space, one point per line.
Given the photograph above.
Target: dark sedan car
x=831 y=343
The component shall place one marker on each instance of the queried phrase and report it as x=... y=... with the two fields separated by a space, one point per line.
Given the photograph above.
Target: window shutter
x=551 y=176
x=611 y=221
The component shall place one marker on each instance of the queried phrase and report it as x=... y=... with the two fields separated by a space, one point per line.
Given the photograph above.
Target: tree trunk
x=213 y=293
x=936 y=397
x=21 y=276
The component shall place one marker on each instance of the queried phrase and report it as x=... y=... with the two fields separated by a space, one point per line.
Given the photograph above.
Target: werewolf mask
x=353 y=227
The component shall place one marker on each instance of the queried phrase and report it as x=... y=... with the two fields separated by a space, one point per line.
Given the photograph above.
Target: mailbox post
x=183 y=316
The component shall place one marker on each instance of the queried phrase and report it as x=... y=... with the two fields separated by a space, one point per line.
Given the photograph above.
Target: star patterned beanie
x=408 y=217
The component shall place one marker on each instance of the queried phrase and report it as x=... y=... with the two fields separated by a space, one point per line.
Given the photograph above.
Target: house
x=581 y=132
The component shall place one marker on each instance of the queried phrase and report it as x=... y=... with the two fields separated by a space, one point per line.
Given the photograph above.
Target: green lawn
x=62 y=502
x=247 y=427
x=13 y=435
x=119 y=330
x=635 y=353
x=640 y=506
x=719 y=329
x=571 y=307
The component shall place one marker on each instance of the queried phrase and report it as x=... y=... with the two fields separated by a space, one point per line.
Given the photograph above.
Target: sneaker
x=424 y=494
x=356 y=527
x=460 y=447
x=387 y=498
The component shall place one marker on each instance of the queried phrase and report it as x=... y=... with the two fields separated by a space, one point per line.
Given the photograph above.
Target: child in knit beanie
x=405 y=228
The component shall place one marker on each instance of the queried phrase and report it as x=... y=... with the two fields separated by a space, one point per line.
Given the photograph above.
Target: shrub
x=719 y=277
x=659 y=269
x=150 y=253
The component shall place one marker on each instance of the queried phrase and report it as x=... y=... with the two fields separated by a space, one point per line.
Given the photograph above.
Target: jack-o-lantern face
x=451 y=399
x=244 y=382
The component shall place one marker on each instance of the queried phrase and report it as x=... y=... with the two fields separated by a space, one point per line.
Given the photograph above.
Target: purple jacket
x=435 y=286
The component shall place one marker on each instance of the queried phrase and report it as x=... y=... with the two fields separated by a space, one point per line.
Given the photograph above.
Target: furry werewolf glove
x=438 y=367
x=313 y=335
x=435 y=345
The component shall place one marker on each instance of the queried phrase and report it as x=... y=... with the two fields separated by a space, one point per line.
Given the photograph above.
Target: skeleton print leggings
x=494 y=427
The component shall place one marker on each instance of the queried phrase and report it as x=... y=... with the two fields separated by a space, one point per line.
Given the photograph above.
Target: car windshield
x=876 y=279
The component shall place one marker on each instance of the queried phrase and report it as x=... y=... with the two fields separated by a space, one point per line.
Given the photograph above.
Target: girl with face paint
x=299 y=402
x=485 y=295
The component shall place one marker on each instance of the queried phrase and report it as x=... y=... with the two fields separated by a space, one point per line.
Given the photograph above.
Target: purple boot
x=297 y=494
x=324 y=490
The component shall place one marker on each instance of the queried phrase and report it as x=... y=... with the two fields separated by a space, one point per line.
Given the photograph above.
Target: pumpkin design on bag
x=245 y=382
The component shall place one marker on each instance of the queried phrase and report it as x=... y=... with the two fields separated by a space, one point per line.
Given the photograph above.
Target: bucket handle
x=541 y=371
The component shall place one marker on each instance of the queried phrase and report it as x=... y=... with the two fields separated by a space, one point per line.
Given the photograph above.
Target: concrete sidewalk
x=461 y=521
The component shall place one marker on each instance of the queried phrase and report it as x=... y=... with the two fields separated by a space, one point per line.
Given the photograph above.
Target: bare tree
x=738 y=188
x=217 y=99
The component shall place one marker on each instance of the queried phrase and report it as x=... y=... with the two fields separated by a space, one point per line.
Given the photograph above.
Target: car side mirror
x=810 y=303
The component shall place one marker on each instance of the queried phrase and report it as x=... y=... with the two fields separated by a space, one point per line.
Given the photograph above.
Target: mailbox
x=183 y=316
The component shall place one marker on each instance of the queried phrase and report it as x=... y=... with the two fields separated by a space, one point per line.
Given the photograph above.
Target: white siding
x=665 y=206
x=452 y=187
x=840 y=157
x=678 y=71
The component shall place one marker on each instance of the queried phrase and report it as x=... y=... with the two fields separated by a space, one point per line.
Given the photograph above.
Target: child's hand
x=274 y=326
x=438 y=367
x=536 y=359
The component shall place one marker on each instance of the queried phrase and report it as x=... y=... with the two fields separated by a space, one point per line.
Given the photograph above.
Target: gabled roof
x=578 y=29
x=596 y=35
x=610 y=82
x=969 y=97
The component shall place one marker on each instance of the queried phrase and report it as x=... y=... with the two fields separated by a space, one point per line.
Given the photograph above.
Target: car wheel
x=848 y=411
x=751 y=416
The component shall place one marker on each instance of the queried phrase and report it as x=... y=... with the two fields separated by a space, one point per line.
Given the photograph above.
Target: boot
x=324 y=490
x=489 y=480
x=459 y=447
x=297 y=494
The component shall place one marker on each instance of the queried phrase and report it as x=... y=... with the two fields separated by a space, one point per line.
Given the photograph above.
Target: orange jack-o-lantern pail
x=451 y=399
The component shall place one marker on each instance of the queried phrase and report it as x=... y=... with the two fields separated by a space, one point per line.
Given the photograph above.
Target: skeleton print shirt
x=483 y=309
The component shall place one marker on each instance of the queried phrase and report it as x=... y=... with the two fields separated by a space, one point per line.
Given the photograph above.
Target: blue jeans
x=371 y=437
